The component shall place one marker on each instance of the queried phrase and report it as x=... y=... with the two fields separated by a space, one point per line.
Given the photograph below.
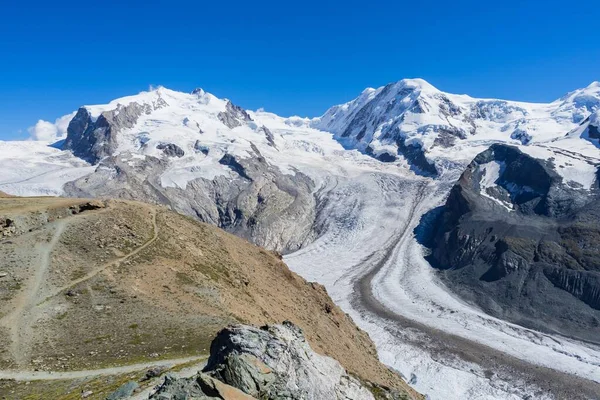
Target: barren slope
x=88 y=284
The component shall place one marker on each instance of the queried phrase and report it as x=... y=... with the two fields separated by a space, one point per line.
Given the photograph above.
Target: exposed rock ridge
x=273 y=363
x=523 y=244
x=233 y=116
x=256 y=202
x=94 y=139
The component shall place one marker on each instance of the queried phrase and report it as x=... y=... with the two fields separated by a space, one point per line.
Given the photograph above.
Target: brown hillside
x=87 y=284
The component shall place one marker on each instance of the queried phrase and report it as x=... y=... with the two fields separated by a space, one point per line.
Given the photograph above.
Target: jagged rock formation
x=256 y=201
x=273 y=363
x=200 y=387
x=590 y=128
x=269 y=136
x=522 y=242
x=171 y=150
x=93 y=140
x=233 y=116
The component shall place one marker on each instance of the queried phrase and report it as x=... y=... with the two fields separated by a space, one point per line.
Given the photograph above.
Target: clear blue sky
x=288 y=57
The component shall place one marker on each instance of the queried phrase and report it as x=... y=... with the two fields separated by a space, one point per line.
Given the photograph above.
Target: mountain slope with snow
x=415 y=120
x=341 y=195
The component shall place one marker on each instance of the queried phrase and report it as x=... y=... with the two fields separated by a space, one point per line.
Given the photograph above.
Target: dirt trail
x=24 y=375
x=21 y=320
x=103 y=267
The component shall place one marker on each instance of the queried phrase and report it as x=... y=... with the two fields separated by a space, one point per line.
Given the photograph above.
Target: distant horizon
x=288 y=59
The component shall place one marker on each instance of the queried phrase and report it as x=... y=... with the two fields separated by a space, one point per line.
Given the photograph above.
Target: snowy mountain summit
x=418 y=121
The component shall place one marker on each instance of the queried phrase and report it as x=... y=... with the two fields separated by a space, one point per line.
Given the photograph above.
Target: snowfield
x=367 y=255
x=34 y=168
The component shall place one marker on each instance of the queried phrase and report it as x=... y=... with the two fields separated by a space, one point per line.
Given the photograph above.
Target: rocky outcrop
x=171 y=150
x=271 y=363
x=256 y=201
x=269 y=136
x=592 y=131
x=415 y=155
x=522 y=244
x=94 y=139
x=233 y=116
x=199 y=387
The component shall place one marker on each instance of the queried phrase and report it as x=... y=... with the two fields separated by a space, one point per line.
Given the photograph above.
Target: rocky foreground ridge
x=271 y=363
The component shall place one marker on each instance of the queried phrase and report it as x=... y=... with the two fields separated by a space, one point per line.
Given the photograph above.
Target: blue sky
x=290 y=58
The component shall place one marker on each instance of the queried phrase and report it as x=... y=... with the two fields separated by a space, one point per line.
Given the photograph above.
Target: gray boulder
x=270 y=363
x=199 y=387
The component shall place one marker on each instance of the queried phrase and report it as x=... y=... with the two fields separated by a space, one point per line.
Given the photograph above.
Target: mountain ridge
x=336 y=206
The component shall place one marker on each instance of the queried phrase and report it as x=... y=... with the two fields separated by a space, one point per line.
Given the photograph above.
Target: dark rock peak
x=230 y=161
x=171 y=150
x=540 y=175
x=233 y=116
x=93 y=140
x=269 y=136
x=88 y=139
x=537 y=263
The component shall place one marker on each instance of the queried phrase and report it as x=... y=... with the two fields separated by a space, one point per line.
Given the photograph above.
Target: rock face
x=171 y=150
x=93 y=140
x=272 y=363
x=256 y=201
x=592 y=128
x=522 y=243
x=233 y=116
x=200 y=387
x=269 y=135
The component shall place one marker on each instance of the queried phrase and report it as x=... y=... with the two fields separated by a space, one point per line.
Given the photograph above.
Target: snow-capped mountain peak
x=579 y=104
x=413 y=119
